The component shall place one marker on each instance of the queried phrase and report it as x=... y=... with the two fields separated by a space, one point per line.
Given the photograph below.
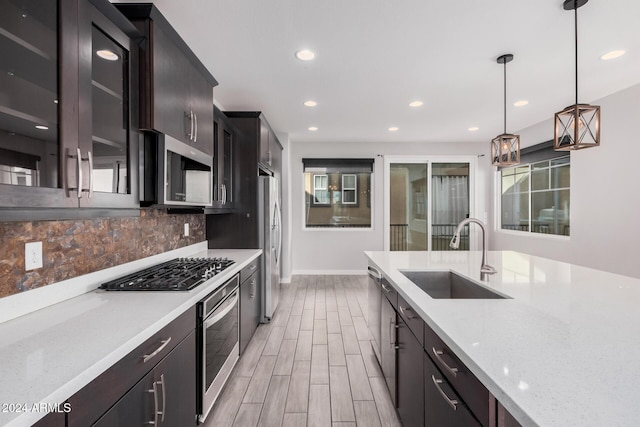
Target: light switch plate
x=32 y=255
x=186 y=229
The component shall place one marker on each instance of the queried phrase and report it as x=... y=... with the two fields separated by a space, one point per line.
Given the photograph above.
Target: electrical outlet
x=186 y=229
x=32 y=255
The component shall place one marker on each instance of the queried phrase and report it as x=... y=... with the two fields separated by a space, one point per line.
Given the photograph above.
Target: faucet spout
x=455 y=243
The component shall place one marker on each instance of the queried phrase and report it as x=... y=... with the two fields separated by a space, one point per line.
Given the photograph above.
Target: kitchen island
x=561 y=350
x=51 y=353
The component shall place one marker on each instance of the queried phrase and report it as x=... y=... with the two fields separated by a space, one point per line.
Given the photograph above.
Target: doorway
x=425 y=199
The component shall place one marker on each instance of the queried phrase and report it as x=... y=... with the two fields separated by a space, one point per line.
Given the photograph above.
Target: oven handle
x=215 y=318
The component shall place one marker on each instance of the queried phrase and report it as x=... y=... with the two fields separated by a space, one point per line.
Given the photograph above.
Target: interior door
x=426 y=199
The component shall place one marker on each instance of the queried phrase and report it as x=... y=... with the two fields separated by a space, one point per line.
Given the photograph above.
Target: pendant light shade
x=505 y=148
x=577 y=126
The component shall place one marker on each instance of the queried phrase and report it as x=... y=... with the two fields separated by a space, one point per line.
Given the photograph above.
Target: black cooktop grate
x=180 y=274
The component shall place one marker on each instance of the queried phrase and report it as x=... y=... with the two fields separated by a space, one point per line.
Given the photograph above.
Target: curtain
x=450 y=199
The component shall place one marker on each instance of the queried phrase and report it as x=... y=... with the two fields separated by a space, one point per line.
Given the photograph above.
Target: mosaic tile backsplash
x=76 y=247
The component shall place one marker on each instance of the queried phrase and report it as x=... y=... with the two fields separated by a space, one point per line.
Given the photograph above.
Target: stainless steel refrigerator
x=270 y=234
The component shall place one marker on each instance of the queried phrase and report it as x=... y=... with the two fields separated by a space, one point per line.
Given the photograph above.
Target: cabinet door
x=171 y=91
x=38 y=103
x=165 y=396
x=410 y=381
x=249 y=309
x=201 y=106
x=224 y=135
x=108 y=112
x=263 y=143
x=442 y=406
x=388 y=346
x=226 y=166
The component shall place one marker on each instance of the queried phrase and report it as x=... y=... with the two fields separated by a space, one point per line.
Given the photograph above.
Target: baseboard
x=329 y=272
x=285 y=279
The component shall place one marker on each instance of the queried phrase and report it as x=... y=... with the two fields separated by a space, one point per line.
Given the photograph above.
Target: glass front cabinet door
x=66 y=136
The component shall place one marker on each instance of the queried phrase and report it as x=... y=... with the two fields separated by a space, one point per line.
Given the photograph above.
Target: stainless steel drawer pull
x=90 y=159
x=148 y=357
x=252 y=294
x=374 y=273
x=452 y=402
x=386 y=289
x=437 y=354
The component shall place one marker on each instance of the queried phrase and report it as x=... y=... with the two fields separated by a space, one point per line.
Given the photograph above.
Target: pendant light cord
x=505 y=96
x=575 y=9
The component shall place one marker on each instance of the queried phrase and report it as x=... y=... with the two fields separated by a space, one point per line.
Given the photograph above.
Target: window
x=337 y=193
x=350 y=189
x=535 y=197
x=320 y=190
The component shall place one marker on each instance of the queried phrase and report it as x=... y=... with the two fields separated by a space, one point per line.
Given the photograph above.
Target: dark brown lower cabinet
x=442 y=406
x=388 y=346
x=410 y=388
x=53 y=419
x=249 y=308
x=163 y=397
x=505 y=419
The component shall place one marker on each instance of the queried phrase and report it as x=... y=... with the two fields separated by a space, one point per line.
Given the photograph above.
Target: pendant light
x=577 y=126
x=505 y=148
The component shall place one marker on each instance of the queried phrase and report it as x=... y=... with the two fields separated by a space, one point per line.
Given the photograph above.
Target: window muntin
x=536 y=197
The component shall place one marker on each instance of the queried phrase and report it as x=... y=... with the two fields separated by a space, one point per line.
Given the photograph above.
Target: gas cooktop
x=180 y=274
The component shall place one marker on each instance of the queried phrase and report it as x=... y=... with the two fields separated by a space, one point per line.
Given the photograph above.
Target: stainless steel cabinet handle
x=269 y=161
x=374 y=273
x=452 y=402
x=195 y=136
x=437 y=354
x=404 y=311
x=90 y=158
x=148 y=357
x=392 y=343
x=224 y=194
x=79 y=173
x=164 y=398
x=154 y=390
x=189 y=115
x=386 y=289
x=252 y=294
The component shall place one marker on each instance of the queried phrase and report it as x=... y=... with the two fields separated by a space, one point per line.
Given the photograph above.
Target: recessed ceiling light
x=521 y=103
x=393 y=129
x=473 y=129
x=310 y=103
x=313 y=128
x=612 y=55
x=41 y=127
x=107 y=54
x=305 y=55
x=416 y=104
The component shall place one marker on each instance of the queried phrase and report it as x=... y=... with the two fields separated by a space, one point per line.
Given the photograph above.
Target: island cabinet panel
x=505 y=419
x=388 y=339
x=465 y=383
x=410 y=389
x=53 y=419
x=443 y=407
x=176 y=89
x=144 y=364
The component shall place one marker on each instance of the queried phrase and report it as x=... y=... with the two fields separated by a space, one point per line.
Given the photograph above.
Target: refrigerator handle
x=278 y=225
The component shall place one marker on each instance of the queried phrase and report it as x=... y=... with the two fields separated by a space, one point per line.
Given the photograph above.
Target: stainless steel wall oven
x=218 y=349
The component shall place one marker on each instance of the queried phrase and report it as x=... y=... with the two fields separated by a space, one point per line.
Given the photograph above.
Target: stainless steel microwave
x=185 y=174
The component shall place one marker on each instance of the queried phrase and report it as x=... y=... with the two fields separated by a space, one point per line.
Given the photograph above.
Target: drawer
x=99 y=395
x=470 y=389
x=443 y=407
x=247 y=271
x=412 y=319
x=389 y=292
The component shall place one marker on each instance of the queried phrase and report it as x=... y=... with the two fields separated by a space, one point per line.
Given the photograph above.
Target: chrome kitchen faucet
x=455 y=242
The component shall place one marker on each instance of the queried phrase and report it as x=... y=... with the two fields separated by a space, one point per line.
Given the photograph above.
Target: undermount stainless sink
x=448 y=285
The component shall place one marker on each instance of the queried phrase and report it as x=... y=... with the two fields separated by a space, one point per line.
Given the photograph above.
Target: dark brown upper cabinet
x=68 y=117
x=176 y=88
x=226 y=137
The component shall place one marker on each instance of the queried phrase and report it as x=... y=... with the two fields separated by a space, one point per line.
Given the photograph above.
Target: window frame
x=314 y=201
x=345 y=188
x=498 y=199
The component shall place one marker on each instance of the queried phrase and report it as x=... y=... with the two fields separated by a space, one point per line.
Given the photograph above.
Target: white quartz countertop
x=48 y=355
x=564 y=350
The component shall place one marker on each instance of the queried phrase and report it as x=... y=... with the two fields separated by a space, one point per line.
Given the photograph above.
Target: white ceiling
x=376 y=56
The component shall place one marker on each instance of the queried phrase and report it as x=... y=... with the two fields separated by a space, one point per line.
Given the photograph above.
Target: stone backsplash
x=76 y=247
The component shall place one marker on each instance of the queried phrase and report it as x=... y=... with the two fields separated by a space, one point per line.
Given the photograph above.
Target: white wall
x=605 y=199
x=341 y=251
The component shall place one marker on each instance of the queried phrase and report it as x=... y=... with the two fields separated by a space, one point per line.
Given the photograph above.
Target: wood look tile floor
x=312 y=365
